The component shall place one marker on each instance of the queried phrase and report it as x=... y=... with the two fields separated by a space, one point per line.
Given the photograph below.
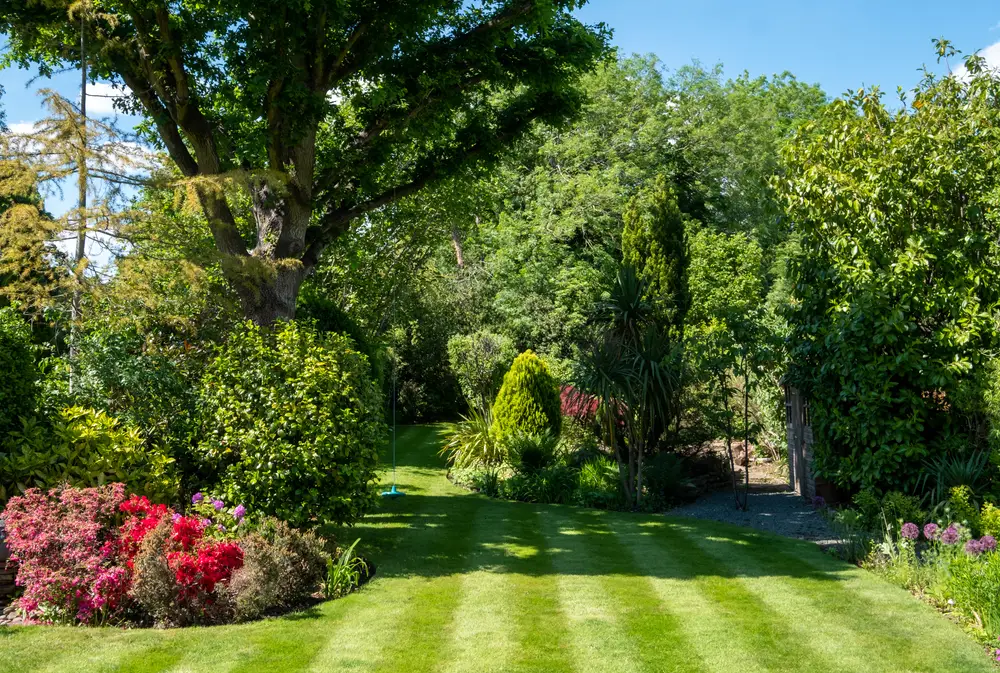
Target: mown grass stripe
x=482 y=632
x=621 y=625
x=650 y=637
x=712 y=603
x=412 y=616
x=889 y=629
x=543 y=642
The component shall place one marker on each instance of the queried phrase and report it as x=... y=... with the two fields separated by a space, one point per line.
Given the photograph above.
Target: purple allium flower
x=910 y=531
x=221 y=528
x=988 y=543
x=973 y=548
x=931 y=531
x=239 y=512
x=950 y=535
x=218 y=505
x=819 y=502
x=196 y=498
x=175 y=517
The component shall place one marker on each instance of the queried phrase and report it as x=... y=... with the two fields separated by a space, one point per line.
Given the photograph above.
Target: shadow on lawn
x=430 y=536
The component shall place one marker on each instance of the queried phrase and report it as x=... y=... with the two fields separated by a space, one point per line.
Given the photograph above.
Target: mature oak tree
x=324 y=110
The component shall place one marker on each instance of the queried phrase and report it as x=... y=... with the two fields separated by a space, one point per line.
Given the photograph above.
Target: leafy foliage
x=480 y=361
x=292 y=424
x=470 y=442
x=327 y=108
x=85 y=447
x=19 y=385
x=528 y=401
x=654 y=243
x=896 y=281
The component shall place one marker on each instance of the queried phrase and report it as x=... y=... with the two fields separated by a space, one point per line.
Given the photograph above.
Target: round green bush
x=528 y=401
x=19 y=383
x=292 y=424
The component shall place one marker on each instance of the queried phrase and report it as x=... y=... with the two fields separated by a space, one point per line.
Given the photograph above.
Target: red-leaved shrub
x=67 y=544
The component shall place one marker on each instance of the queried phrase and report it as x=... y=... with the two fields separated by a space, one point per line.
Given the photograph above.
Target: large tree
x=322 y=110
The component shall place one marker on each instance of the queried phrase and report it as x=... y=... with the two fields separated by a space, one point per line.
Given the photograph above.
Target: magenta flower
x=931 y=531
x=218 y=505
x=239 y=512
x=973 y=548
x=950 y=535
x=206 y=522
x=175 y=517
x=221 y=528
x=196 y=498
x=910 y=531
x=988 y=543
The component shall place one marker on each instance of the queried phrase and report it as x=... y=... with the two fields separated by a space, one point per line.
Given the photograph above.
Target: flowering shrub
x=67 y=544
x=94 y=556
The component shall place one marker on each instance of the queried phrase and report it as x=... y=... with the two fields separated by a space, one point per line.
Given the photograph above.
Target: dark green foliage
x=146 y=382
x=479 y=362
x=334 y=107
x=654 y=242
x=531 y=453
x=19 y=380
x=554 y=484
x=668 y=480
x=292 y=424
x=897 y=281
x=599 y=484
x=329 y=317
x=528 y=401
x=943 y=473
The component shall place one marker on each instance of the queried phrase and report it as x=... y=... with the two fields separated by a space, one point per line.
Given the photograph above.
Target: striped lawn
x=469 y=584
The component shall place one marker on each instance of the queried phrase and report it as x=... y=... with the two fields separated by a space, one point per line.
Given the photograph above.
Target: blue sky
x=839 y=45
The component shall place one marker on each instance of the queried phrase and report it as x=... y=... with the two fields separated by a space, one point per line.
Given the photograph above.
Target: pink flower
x=988 y=543
x=910 y=531
x=973 y=548
x=950 y=535
x=931 y=531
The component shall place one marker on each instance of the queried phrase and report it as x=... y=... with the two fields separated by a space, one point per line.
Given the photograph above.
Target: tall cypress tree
x=654 y=242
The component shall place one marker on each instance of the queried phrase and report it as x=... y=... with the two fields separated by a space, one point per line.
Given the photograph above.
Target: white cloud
x=101 y=97
x=21 y=128
x=990 y=54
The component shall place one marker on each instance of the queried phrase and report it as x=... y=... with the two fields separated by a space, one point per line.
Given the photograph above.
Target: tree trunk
x=269 y=297
x=456 y=242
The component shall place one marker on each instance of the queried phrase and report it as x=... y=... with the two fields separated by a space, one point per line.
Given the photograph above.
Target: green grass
x=469 y=584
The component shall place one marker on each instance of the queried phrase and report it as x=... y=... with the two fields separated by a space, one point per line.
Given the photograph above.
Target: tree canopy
x=323 y=111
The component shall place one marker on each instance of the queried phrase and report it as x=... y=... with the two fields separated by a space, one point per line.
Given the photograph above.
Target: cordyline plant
x=324 y=109
x=630 y=370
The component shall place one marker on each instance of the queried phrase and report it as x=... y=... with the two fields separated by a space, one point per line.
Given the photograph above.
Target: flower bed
x=957 y=572
x=96 y=556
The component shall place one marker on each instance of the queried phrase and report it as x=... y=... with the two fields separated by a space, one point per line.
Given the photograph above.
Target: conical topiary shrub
x=528 y=401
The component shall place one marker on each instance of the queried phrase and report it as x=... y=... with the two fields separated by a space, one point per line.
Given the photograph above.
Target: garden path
x=471 y=584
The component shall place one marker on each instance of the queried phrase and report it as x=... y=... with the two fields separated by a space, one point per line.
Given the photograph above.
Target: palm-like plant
x=629 y=368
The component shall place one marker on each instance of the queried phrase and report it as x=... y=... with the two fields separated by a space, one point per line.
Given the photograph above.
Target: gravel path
x=780 y=512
